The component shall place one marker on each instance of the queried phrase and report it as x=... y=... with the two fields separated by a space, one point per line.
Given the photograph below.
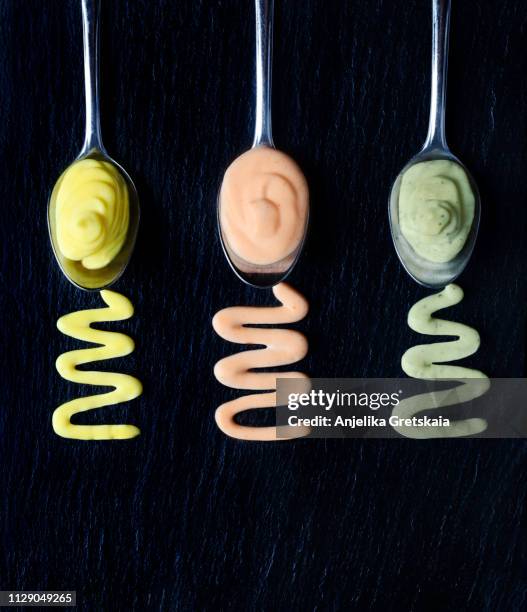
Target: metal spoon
x=262 y=276
x=431 y=274
x=91 y=280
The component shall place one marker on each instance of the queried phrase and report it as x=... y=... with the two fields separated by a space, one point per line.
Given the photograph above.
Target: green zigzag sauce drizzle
x=430 y=361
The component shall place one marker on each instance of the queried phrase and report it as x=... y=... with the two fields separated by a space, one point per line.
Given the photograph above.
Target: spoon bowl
x=259 y=276
x=74 y=271
x=428 y=273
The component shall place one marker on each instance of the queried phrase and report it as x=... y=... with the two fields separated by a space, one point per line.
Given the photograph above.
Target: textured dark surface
x=184 y=518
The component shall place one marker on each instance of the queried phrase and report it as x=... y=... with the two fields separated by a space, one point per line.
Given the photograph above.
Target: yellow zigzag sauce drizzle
x=112 y=344
x=282 y=347
x=424 y=361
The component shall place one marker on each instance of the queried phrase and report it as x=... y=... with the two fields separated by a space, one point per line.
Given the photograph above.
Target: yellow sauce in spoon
x=91 y=213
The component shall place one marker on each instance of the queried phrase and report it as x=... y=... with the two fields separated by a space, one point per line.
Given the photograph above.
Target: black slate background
x=184 y=518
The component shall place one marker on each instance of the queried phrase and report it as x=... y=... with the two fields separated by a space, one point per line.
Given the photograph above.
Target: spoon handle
x=90 y=31
x=264 y=10
x=440 y=30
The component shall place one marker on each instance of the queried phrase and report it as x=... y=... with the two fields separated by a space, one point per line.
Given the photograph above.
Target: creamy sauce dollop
x=91 y=212
x=264 y=202
x=436 y=209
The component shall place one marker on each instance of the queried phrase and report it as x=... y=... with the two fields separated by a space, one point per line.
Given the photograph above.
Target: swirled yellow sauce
x=436 y=209
x=264 y=202
x=91 y=213
x=111 y=345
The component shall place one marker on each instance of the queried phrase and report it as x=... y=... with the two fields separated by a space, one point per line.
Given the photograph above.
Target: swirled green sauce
x=436 y=209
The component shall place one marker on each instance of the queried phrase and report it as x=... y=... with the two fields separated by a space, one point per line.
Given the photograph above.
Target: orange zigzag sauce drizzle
x=281 y=347
x=112 y=344
x=423 y=362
